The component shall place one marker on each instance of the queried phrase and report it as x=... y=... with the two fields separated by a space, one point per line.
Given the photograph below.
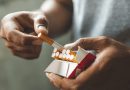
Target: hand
x=109 y=71
x=19 y=32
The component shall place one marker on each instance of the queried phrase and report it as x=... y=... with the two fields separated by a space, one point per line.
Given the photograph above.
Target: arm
x=59 y=15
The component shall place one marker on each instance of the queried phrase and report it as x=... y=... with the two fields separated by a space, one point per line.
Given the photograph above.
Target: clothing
x=93 y=18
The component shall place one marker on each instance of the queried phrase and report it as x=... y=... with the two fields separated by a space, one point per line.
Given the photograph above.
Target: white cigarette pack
x=70 y=69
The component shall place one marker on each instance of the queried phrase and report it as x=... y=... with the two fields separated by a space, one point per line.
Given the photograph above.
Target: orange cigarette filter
x=72 y=59
x=70 y=52
x=54 y=56
x=61 y=56
x=56 y=50
x=45 y=38
x=64 y=57
x=57 y=54
x=64 y=51
x=68 y=57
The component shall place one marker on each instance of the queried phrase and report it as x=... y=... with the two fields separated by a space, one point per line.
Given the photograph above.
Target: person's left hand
x=109 y=71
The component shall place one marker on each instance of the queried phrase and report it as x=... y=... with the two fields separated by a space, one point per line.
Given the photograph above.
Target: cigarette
x=51 y=42
x=57 y=54
x=61 y=56
x=70 y=52
x=64 y=56
x=54 y=56
x=64 y=51
x=72 y=58
x=59 y=47
x=67 y=57
x=55 y=50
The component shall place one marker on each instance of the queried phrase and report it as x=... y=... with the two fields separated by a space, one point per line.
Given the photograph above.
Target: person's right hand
x=19 y=31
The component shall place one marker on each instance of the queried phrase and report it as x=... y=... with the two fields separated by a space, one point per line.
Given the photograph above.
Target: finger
x=60 y=82
x=92 y=43
x=68 y=46
x=29 y=49
x=14 y=35
x=41 y=24
x=52 y=81
x=24 y=55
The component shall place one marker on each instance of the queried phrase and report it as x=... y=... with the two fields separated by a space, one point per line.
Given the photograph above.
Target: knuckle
x=4 y=19
x=24 y=41
x=104 y=40
x=81 y=41
x=9 y=35
x=7 y=18
x=39 y=17
x=8 y=45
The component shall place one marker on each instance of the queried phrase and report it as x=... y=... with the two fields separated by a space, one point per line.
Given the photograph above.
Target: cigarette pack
x=71 y=69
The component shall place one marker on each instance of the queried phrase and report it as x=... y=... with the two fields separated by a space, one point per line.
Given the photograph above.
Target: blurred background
x=21 y=74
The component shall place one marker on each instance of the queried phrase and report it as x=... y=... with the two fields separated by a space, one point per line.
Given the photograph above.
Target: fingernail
x=42 y=28
x=33 y=33
x=47 y=74
x=37 y=42
x=67 y=46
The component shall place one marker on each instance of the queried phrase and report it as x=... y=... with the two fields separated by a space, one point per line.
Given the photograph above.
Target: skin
x=109 y=71
x=20 y=29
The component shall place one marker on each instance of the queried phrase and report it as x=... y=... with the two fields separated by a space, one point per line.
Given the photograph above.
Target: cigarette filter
x=55 y=50
x=70 y=52
x=64 y=57
x=57 y=54
x=54 y=56
x=70 y=55
x=51 y=42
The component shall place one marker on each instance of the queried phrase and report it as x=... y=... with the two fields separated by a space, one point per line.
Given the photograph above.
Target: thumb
x=92 y=43
x=41 y=24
